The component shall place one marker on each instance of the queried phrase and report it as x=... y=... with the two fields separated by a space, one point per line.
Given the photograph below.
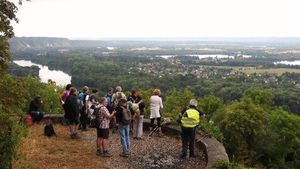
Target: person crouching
x=123 y=117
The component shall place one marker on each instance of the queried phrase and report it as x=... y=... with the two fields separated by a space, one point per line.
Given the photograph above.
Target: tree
x=176 y=100
x=7 y=14
x=242 y=124
x=209 y=105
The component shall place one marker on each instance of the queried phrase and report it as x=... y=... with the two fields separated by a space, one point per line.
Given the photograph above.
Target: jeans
x=124 y=135
x=36 y=116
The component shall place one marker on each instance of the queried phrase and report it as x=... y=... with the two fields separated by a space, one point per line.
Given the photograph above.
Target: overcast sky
x=159 y=18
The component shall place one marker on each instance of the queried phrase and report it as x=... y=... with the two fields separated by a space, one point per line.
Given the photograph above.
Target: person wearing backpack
x=110 y=92
x=93 y=102
x=189 y=120
x=72 y=112
x=138 y=107
x=123 y=116
x=103 y=129
x=130 y=106
x=63 y=96
x=117 y=96
x=84 y=110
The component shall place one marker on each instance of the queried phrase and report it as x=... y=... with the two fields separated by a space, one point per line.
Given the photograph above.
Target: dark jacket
x=141 y=106
x=35 y=105
x=71 y=107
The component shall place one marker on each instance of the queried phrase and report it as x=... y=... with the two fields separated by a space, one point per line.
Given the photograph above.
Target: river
x=285 y=62
x=60 y=77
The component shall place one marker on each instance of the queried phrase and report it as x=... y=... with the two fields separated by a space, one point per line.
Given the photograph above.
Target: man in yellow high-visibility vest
x=189 y=119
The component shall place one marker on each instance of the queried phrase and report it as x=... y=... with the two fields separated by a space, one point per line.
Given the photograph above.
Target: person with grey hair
x=118 y=96
x=189 y=120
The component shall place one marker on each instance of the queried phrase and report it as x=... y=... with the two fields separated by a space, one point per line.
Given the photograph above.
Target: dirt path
x=40 y=152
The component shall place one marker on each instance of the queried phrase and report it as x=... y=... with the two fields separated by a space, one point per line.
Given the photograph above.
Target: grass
x=40 y=152
x=277 y=71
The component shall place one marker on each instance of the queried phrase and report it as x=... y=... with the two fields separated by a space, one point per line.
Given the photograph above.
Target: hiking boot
x=106 y=154
x=99 y=153
x=182 y=156
x=75 y=135
x=123 y=154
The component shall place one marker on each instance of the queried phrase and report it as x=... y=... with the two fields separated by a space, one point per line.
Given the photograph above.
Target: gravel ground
x=38 y=151
x=149 y=153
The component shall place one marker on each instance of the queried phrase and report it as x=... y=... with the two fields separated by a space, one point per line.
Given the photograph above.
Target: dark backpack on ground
x=49 y=130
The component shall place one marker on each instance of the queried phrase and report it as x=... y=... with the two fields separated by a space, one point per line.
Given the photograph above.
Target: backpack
x=136 y=106
x=49 y=130
x=108 y=98
x=80 y=101
x=118 y=97
x=126 y=116
x=95 y=120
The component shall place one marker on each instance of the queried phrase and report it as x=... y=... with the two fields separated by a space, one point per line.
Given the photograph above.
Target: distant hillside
x=25 y=43
x=22 y=43
x=36 y=43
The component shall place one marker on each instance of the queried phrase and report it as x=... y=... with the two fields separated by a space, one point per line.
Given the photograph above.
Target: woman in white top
x=156 y=106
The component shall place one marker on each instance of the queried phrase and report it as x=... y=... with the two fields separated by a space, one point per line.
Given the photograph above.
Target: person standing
x=103 y=129
x=138 y=107
x=85 y=108
x=72 y=113
x=64 y=95
x=130 y=101
x=156 y=107
x=123 y=116
x=114 y=103
x=110 y=92
x=117 y=96
x=189 y=119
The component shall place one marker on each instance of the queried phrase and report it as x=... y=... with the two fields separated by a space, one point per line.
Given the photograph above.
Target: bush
x=10 y=133
x=224 y=164
x=210 y=129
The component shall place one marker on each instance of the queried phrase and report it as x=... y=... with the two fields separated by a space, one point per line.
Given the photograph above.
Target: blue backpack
x=80 y=100
x=108 y=98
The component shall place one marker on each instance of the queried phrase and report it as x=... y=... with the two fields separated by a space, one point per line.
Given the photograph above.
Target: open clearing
x=40 y=152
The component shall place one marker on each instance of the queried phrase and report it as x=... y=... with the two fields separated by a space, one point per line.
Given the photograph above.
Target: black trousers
x=152 y=121
x=188 y=140
x=83 y=119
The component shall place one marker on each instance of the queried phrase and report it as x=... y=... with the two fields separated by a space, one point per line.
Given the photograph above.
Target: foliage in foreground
x=15 y=96
x=255 y=131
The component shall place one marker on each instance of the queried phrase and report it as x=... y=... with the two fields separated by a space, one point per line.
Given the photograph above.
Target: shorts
x=102 y=133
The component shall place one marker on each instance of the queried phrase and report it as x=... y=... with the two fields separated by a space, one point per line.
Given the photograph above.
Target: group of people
x=125 y=114
x=114 y=110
